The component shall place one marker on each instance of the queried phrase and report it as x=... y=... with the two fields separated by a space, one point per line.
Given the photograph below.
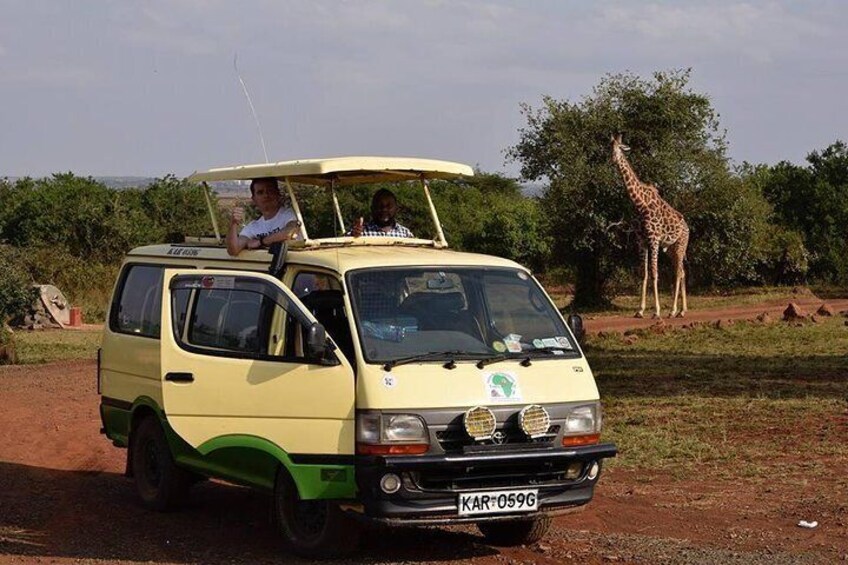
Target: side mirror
x=316 y=343
x=575 y=322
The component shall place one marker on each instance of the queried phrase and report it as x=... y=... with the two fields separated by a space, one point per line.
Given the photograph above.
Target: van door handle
x=179 y=377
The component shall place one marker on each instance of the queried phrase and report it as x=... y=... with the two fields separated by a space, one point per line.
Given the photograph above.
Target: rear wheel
x=515 y=532
x=161 y=485
x=313 y=528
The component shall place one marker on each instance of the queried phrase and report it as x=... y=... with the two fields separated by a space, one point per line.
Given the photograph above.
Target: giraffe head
x=617 y=146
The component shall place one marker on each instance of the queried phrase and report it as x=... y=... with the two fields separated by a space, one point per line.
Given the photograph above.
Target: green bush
x=16 y=292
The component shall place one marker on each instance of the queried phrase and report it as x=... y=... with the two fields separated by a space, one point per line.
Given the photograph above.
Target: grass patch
x=628 y=304
x=708 y=400
x=56 y=345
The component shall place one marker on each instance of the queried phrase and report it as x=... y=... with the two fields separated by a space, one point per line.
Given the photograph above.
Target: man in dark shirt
x=384 y=208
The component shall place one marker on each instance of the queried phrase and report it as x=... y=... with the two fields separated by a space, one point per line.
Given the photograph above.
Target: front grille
x=455 y=440
x=472 y=478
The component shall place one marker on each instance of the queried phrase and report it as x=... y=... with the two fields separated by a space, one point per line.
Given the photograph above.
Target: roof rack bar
x=440 y=236
x=211 y=212
x=336 y=205
x=296 y=209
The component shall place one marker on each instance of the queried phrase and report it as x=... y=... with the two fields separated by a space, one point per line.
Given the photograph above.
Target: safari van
x=377 y=379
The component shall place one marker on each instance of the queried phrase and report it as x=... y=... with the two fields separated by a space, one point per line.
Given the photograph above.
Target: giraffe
x=660 y=226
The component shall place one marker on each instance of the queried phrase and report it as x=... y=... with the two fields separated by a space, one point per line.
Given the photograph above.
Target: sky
x=149 y=88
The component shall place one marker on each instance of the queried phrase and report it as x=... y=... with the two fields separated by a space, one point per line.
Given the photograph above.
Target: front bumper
x=431 y=483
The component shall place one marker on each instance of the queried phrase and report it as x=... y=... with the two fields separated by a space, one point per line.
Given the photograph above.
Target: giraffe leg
x=676 y=293
x=678 y=275
x=655 y=249
x=679 y=256
x=641 y=312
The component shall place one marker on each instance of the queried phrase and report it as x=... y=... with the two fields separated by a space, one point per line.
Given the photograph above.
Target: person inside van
x=277 y=222
x=384 y=208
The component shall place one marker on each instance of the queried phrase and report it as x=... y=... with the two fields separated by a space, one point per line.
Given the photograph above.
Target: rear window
x=137 y=308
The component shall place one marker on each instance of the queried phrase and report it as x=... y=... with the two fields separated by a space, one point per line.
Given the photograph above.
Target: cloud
x=761 y=32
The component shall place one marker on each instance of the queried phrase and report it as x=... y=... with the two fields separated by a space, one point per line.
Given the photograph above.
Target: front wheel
x=161 y=485
x=515 y=532
x=313 y=528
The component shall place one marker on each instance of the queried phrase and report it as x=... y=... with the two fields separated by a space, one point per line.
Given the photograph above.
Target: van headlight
x=583 y=425
x=387 y=434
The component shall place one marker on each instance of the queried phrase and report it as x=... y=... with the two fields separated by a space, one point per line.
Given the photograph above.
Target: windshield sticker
x=537 y=343
x=563 y=342
x=513 y=346
x=513 y=343
x=558 y=352
x=389 y=380
x=522 y=275
x=498 y=346
x=501 y=386
x=550 y=342
x=218 y=282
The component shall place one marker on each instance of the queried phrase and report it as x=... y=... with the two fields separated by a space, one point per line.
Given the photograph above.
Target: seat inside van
x=441 y=311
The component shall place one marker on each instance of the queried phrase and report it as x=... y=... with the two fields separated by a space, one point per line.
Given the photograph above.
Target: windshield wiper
x=493 y=359
x=550 y=350
x=432 y=355
x=525 y=356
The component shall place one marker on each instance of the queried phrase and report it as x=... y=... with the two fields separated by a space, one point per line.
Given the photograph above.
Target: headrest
x=438 y=302
x=323 y=299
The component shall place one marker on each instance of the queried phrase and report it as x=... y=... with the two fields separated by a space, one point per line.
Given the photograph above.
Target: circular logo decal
x=498 y=346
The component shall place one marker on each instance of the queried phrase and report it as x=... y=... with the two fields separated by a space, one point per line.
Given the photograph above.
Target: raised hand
x=358 y=227
x=237 y=215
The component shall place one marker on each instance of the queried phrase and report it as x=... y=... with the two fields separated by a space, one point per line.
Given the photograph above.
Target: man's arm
x=288 y=232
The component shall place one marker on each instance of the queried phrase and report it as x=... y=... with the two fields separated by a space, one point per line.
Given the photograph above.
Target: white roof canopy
x=342 y=170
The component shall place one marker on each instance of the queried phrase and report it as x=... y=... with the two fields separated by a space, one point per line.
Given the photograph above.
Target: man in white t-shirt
x=277 y=223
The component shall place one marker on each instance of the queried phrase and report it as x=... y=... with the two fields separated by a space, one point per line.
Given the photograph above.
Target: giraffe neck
x=635 y=188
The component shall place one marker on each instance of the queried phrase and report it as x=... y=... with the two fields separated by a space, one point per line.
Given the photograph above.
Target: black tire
x=160 y=484
x=315 y=529
x=515 y=532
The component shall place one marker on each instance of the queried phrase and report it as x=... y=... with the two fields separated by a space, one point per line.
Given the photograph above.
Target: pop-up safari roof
x=338 y=172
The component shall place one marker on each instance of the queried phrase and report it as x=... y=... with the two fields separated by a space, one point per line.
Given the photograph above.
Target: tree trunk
x=590 y=287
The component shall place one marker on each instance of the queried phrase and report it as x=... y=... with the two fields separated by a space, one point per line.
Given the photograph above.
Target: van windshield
x=472 y=313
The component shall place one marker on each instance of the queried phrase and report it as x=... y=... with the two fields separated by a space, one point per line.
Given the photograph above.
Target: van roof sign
x=341 y=171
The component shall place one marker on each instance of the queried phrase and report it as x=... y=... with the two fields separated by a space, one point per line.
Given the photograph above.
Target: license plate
x=498 y=502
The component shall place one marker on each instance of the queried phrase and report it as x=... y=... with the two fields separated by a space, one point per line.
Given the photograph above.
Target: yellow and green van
x=355 y=379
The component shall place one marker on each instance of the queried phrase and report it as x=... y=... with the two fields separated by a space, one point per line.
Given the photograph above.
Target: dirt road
x=63 y=499
x=774 y=308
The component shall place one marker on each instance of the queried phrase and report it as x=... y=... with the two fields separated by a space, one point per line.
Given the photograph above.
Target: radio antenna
x=252 y=109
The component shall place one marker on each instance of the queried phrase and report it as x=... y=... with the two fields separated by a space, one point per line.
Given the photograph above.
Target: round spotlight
x=390 y=483
x=593 y=471
x=534 y=420
x=479 y=423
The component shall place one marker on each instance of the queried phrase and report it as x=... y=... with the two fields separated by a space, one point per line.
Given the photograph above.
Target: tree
x=676 y=144
x=813 y=201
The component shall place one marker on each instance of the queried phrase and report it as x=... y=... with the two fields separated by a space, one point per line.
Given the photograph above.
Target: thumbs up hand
x=237 y=215
x=358 y=227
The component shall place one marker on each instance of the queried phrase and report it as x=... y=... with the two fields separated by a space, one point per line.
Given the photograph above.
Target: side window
x=235 y=316
x=136 y=311
x=322 y=294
